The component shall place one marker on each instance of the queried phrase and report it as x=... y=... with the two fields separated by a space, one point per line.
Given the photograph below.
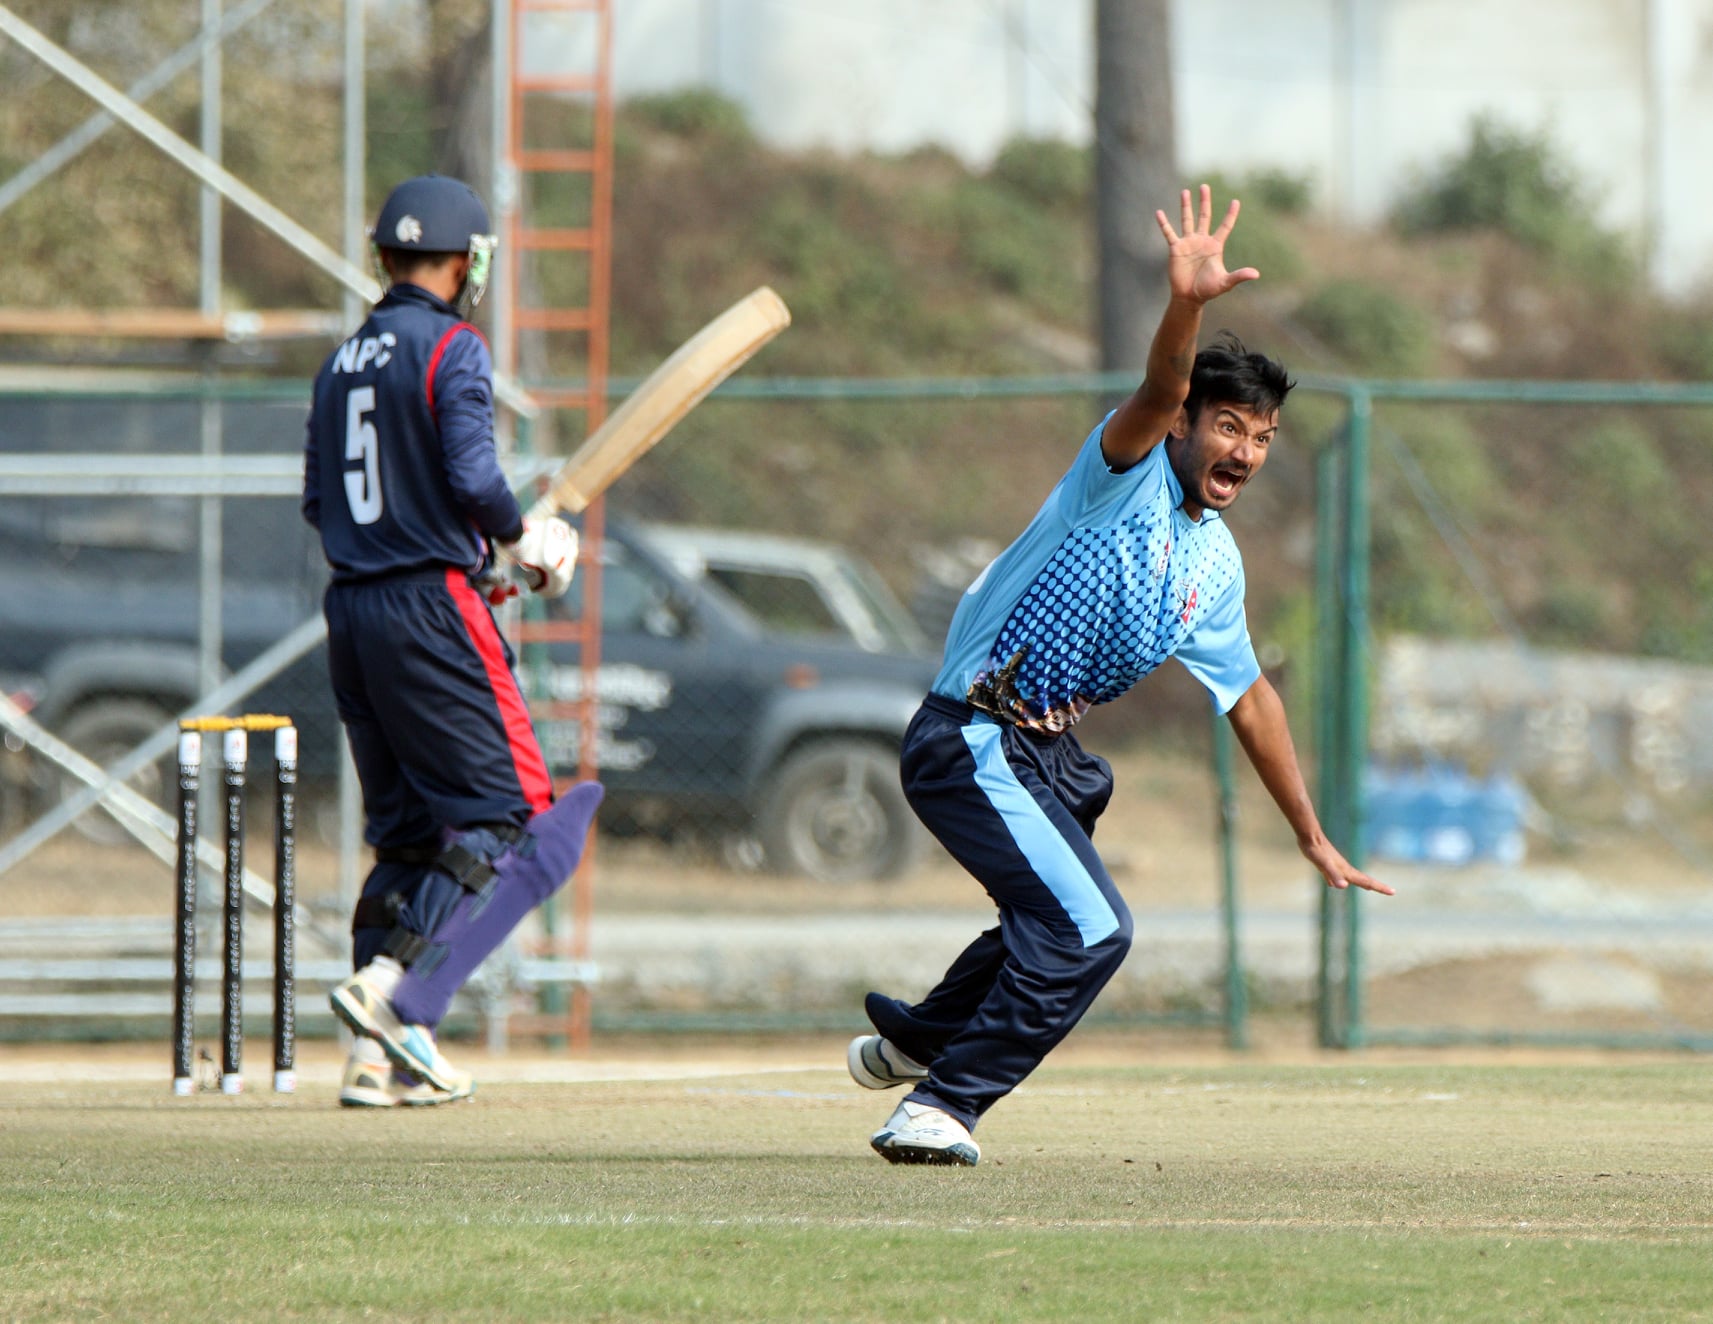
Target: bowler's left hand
x=1339 y=872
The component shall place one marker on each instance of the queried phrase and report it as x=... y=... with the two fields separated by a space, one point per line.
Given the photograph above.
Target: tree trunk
x=1135 y=173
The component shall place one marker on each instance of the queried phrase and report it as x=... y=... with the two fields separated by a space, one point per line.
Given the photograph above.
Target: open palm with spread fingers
x=1195 y=263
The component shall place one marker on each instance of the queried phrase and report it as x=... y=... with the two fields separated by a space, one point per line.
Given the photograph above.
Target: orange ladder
x=559 y=146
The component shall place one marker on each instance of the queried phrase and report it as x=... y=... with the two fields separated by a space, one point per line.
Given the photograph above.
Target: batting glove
x=545 y=556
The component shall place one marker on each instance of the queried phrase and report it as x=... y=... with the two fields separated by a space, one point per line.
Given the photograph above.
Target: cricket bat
x=667 y=394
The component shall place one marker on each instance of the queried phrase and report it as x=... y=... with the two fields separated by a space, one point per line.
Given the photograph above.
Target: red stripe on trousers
x=527 y=758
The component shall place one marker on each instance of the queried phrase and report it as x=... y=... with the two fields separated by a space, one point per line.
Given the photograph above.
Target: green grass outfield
x=1351 y=1189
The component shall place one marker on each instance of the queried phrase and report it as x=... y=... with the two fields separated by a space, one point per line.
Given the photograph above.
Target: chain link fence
x=759 y=657
x=1511 y=718
x=1524 y=716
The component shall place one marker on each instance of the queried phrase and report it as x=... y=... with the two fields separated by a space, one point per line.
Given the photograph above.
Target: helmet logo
x=408 y=230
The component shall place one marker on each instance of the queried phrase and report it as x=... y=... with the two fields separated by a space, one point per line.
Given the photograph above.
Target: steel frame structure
x=523 y=232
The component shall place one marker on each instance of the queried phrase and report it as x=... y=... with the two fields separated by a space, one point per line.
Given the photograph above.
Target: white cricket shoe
x=877 y=1064
x=917 y=1133
x=372 y=1081
x=363 y=1003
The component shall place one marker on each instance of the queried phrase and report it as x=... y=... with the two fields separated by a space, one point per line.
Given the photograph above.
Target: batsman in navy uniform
x=422 y=533
x=1127 y=564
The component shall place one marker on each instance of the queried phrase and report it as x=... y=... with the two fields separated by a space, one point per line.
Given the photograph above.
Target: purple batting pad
x=524 y=876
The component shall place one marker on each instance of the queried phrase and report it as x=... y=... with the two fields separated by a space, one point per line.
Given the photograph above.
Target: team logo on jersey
x=408 y=230
x=1164 y=561
x=1188 y=601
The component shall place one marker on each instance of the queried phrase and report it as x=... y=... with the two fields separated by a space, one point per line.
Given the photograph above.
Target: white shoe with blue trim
x=372 y=1081
x=917 y=1133
x=363 y=1005
x=876 y=1063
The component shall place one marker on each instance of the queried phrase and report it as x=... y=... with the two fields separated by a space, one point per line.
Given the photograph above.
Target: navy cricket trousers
x=439 y=731
x=424 y=686
x=1017 y=809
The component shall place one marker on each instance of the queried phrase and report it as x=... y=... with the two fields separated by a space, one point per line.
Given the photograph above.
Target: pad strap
x=404 y=946
x=466 y=867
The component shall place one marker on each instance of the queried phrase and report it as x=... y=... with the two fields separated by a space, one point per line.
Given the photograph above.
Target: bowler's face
x=1215 y=456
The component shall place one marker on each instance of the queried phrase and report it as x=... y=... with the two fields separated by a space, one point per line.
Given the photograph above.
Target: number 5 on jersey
x=363 y=444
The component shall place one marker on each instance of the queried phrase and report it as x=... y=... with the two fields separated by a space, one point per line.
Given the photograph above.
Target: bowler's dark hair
x=1228 y=373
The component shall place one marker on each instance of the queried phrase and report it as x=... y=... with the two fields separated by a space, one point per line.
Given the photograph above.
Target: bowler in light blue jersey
x=1127 y=563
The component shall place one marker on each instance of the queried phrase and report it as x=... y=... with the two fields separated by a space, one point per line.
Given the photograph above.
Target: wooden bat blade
x=667 y=394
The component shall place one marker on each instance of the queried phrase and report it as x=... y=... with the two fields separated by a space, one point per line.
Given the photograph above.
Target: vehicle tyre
x=105 y=730
x=836 y=813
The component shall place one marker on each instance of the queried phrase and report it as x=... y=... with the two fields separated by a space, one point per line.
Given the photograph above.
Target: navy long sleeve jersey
x=400 y=473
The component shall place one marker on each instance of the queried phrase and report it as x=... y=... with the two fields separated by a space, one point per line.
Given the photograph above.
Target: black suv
x=783 y=745
x=781 y=738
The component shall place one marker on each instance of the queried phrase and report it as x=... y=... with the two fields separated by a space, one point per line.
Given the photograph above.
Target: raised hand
x=1195 y=263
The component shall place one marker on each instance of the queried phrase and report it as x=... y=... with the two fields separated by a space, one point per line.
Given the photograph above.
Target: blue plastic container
x=1439 y=814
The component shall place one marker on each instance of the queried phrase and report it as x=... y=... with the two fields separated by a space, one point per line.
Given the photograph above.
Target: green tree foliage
x=699 y=116
x=1515 y=182
x=1047 y=174
x=1683 y=338
x=1370 y=328
x=1621 y=462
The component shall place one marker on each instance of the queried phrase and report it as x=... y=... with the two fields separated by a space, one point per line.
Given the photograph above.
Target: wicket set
x=235 y=733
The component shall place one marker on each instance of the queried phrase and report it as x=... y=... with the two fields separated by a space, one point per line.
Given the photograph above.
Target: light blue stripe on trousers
x=1048 y=853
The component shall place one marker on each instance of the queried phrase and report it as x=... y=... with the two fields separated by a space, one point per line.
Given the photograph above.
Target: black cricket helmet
x=438 y=214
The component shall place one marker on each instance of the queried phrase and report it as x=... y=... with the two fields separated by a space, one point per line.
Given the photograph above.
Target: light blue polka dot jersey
x=1109 y=580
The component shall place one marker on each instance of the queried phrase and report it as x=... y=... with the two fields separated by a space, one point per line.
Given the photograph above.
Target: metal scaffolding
x=552 y=123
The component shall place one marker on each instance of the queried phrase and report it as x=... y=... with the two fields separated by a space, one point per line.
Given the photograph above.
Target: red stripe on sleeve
x=434 y=358
x=527 y=758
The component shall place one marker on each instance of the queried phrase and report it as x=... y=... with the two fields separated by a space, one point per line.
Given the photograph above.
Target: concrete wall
x=1359 y=95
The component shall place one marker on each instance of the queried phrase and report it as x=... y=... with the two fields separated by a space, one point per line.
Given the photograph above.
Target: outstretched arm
x=1195 y=271
x=1259 y=720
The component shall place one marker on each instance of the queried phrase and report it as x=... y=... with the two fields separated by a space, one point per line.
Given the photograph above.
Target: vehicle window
x=898 y=630
x=633 y=596
x=265 y=540
x=787 y=603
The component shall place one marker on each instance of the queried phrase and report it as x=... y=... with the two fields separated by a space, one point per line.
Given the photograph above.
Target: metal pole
x=210 y=628
x=1354 y=755
x=212 y=70
x=1328 y=661
x=502 y=289
x=356 y=135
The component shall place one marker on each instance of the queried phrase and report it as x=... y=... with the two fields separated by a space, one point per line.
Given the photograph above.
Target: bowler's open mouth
x=1223 y=480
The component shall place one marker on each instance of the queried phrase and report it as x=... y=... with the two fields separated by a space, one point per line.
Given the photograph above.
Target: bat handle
x=546 y=507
